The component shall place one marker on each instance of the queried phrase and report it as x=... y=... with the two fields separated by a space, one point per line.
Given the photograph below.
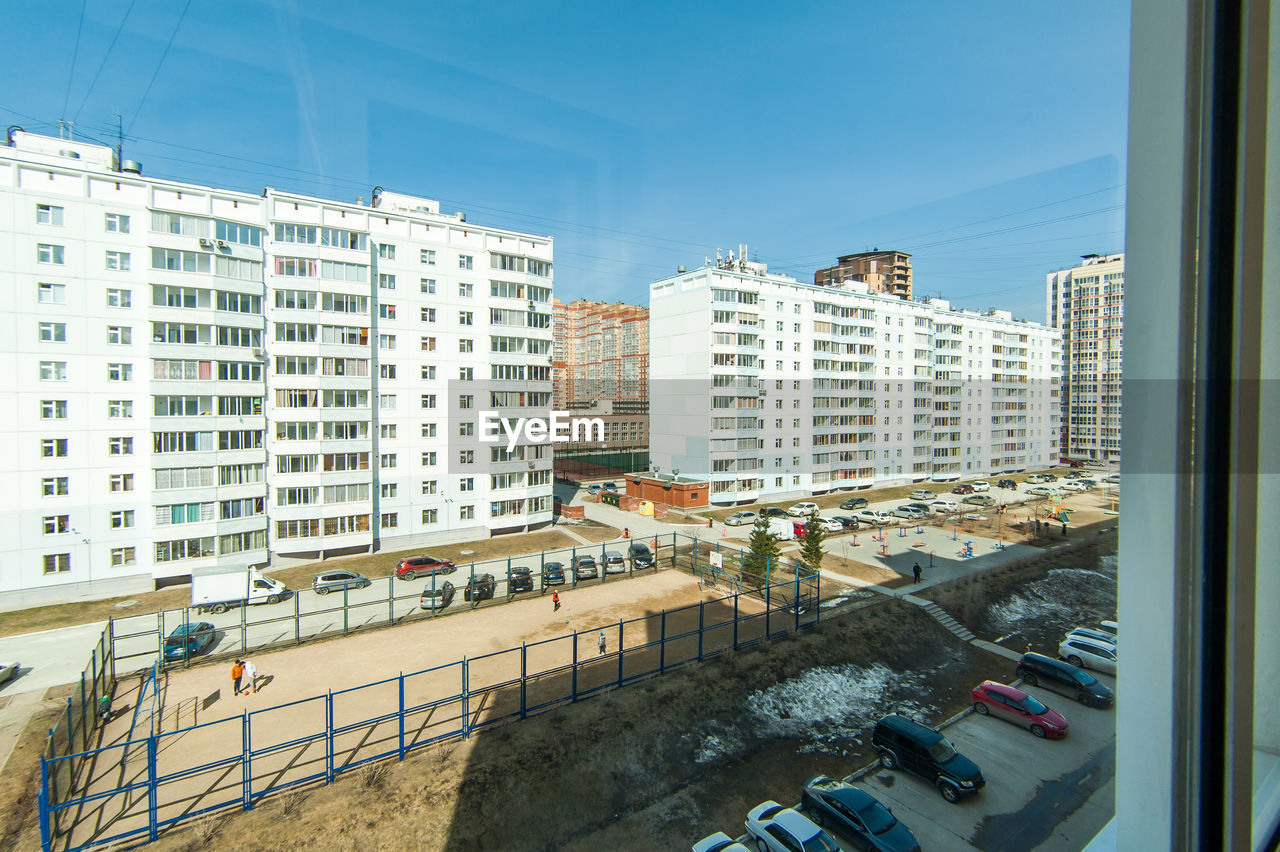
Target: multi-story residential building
x=1086 y=302
x=199 y=378
x=887 y=272
x=601 y=365
x=773 y=388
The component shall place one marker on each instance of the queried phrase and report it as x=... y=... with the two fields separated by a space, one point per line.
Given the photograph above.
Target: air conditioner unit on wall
x=204 y=241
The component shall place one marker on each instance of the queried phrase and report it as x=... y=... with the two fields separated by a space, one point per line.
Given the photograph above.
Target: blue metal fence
x=119 y=796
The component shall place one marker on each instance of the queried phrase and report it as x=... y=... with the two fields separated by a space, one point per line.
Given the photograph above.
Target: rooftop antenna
x=119 y=142
x=64 y=128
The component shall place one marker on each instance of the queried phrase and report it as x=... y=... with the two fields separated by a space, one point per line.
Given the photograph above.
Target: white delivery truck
x=783 y=528
x=218 y=592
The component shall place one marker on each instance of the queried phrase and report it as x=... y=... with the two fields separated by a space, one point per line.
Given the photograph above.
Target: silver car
x=336 y=581
x=738 y=519
x=614 y=563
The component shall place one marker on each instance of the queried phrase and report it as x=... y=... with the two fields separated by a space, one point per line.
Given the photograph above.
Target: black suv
x=1039 y=670
x=917 y=748
x=854 y=503
x=1007 y=483
x=437 y=597
x=479 y=588
x=519 y=580
x=641 y=555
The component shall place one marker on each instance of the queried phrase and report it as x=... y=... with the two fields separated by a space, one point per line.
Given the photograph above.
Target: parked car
x=910 y=513
x=1110 y=627
x=873 y=516
x=920 y=749
x=1050 y=477
x=336 y=581
x=614 y=563
x=584 y=568
x=436 y=596
x=611 y=486
x=189 y=640
x=923 y=507
x=773 y=512
x=979 y=500
x=981 y=485
x=944 y=507
x=1041 y=491
x=801 y=510
x=830 y=525
x=552 y=574
x=519 y=580
x=1072 y=485
x=719 y=842
x=1014 y=705
x=738 y=519
x=1073 y=474
x=1114 y=477
x=593 y=490
x=847 y=521
x=641 y=555
x=479 y=588
x=1039 y=670
x=1089 y=484
x=845 y=809
x=922 y=494
x=1083 y=652
x=423 y=566
x=962 y=488
x=8 y=671
x=853 y=503
x=1093 y=635
x=780 y=829
x=1036 y=478
x=1007 y=483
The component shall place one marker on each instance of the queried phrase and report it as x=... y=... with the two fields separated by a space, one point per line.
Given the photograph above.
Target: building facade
x=887 y=272
x=773 y=388
x=1086 y=303
x=602 y=370
x=199 y=378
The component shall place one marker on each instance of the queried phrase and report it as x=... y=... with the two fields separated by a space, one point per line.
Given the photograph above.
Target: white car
x=830 y=525
x=1074 y=485
x=873 y=516
x=1035 y=478
x=7 y=671
x=738 y=519
x=1091 y=634
x=922 y=494
x=719 y=842
x=944 y=507
x=1109 y=627
x=1084 y=653
x=779 y=829
x=1041 y=491
x=1115 y=477
x=910 y=513
x=801 y=510
x=980 y=485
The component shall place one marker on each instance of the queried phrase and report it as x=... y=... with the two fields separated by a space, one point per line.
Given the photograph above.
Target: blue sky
x=642 y=136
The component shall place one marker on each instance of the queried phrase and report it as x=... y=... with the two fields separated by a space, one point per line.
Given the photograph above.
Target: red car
x=962 y=489
x=422 y=566
x=1014 y=705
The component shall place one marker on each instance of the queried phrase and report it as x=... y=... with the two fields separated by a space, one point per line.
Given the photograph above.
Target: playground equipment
x=1000 y=543
x=967 y=551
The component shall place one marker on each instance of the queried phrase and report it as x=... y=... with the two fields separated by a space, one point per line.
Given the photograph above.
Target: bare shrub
x=204 y=830
x=372 y=775
x=291 y=802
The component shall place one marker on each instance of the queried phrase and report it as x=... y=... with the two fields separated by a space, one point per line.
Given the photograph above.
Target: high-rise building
x=1086 y=302
x=774 y=388
x=601 y=365
x=200 y=378
x=887 y=272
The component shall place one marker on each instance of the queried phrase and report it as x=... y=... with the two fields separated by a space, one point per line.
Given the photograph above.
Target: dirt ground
x=19 y=821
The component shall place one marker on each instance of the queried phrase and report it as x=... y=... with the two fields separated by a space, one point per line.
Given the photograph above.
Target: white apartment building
x=1086 y=302
x=198 y=378
x=774 y=389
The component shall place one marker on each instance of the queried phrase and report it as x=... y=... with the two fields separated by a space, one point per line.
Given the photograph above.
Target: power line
x=74 y=55
x=103 y=64
x=160 y=64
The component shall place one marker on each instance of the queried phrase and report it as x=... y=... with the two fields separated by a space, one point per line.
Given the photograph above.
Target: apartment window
x=123 y=556
x=466 y=457
x=117 y=298
x=466 y=513
x=465 y=261
x=57 y=563
x=386 y=251
x=53 y=448
x=53 y=371
x=53 y=332
x=386 y=341
x=386 y=401
x=466 y=318
x=466 y=345
x=466 y=290
x=467 y=429
x=428 y=315
x=387 y=371
x=390 y=520
x=53 y=409
x=48 y=214
x=467 y=483
x=387 y=460
x=120 y=446
x=387 y=311
x=176 y=260
x=428 y=430
x=428 y=371
x=429 y=459
x=430 y=516
x=122 y=519
x=466 y=400
x=466 y=374
x=427 y=285
x=428 y=344
x=117 y=223
x=388 y=490
x=120 y=482
x=119 y=409
x=52 y=294
x=118 y=261
x=54 y=524
x=119 y=372
x=46 y=253
x=428 y=256
x=386 y=281
x=55 y=486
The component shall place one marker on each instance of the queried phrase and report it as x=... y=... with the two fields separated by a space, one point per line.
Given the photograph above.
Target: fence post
x=93 y=689
x=574 y=695
x=71 y=731
x=524 y=674
x=346 y=610
x=797 y=601
x=701 y=614
x=244 y=627
x=328 y=737
x=817 y=596
x=42 y=805
x=402 y=715
x=153 y=804
x=84 y=718
x=620 y=624
x=186 y=620
x=662 y=645
x=111 y=631
x=466 y=703
x=246 y=776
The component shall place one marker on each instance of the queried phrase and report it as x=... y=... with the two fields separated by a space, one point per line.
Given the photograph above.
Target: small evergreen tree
x=811 y=550
x=764 y=552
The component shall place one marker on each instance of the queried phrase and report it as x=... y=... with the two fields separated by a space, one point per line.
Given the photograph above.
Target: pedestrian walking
x=1064 y=529
x=250 y=675
x=104 y=709
x=915 y=571
x=555 y=599
x=600 y=642
x=237 y=672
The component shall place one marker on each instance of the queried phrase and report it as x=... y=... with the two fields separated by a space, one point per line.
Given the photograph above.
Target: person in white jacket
x=250 y=677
